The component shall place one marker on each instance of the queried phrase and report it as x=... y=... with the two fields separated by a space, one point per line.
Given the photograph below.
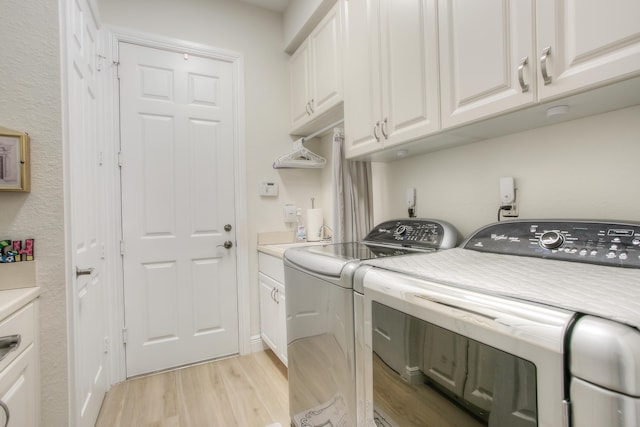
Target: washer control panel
x=415 y=233
x=606 y=243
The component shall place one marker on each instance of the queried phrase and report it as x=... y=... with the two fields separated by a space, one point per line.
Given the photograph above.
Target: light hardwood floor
x=243 y=391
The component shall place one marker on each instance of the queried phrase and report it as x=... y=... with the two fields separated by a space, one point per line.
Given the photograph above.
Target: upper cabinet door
x=326 y=63
x=586 y=43
x=362 y=78
x=299 y=75
x=410 y=95
x=315 y=72
x=487 y=63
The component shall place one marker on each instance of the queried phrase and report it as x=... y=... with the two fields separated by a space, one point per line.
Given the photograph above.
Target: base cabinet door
x=281 y=317
x=586 y=43
x=19 y=391
x=273 y=329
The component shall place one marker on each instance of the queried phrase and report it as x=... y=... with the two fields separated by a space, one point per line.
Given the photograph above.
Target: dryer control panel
x=605 y=243
x=415 y=233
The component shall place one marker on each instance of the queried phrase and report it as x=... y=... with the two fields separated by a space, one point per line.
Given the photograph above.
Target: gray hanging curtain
x=353 y=204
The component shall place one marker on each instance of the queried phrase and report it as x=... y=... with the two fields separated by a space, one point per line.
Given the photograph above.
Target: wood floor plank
x=150 y=401
x=203 y=397
x=245 y=402
x=249 y=391
x=270 y=385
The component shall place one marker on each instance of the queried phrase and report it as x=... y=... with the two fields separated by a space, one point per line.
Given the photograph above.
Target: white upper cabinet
x=586 y=43
x=391 y=73
x=486 y=56
x=315 y=71
x=417 y=72
x=494 y=59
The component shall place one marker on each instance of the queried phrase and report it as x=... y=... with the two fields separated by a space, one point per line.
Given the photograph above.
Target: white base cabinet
x=19 y=369
x=273 y=312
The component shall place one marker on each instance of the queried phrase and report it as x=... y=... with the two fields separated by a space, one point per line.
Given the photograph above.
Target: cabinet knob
x=543 y=65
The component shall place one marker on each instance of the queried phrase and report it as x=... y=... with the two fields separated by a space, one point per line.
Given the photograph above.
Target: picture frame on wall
x=14 y=161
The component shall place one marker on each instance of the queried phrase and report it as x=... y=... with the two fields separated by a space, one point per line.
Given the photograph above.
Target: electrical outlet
x=513 y=212
x=289 y=213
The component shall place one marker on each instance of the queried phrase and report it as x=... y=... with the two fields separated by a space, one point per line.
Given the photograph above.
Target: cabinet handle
x=524 y=61
x=375 y=131
x=273 y=291
x=276 y=296
x=8 y=344
x=5 y=408
x=543 y=65
x=311 y=106
x=306 y=108
x=383 y=128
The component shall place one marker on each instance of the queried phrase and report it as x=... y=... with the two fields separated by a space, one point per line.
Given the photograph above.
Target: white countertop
x=277 y=250
x=12 y=299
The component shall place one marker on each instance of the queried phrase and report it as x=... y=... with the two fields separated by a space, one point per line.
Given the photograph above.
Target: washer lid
x=330 y=259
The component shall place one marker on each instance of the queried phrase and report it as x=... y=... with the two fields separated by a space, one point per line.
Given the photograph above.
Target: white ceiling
x=275 y=5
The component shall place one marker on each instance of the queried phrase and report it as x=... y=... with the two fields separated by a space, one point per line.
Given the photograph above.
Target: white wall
x=30 y=101
x=586 y=168
x=257 y=34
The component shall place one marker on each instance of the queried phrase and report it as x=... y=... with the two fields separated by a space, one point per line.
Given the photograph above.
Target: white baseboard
x=256 y=344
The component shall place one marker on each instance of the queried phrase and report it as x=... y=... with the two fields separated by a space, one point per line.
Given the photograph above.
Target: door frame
x=116 y=298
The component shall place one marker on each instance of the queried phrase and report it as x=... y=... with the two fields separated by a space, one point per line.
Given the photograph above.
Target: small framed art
x=14 y=161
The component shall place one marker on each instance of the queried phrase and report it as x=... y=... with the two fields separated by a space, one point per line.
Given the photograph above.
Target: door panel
x=177 y=195
x=89 y=332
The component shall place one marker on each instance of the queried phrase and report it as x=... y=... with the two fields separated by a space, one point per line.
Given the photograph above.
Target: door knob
x=227 y=245
x=227 y=227
x=83 y=271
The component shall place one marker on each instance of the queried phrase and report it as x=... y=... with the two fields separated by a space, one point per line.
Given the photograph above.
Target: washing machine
x=529 y=323
x=320 y=315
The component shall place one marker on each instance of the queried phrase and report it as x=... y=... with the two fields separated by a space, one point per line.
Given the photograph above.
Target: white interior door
x=177 y=137
x=87 y=305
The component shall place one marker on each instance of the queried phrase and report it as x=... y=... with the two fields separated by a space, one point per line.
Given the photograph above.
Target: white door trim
x=116 y=36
